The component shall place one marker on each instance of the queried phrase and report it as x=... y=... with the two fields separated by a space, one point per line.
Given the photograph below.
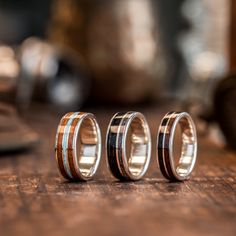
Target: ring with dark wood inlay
x=128 y=145
x=165 y=143
x=78 y=146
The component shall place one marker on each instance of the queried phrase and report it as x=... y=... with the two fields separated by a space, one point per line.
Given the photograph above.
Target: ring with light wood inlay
x=78 y=146
x=128 y=145
x=165 y=141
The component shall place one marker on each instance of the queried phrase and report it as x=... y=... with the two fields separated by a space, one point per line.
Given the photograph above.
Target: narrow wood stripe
x=70 y=150
x=65 y=144
x=58 y=150
x=111 y=154
x=162 y=134
x=163 y=146
x=166 y=148
x=112 y=148
x=119 y=142
x=160 y=155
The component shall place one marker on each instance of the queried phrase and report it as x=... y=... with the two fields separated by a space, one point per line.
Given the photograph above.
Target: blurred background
x=69 y=55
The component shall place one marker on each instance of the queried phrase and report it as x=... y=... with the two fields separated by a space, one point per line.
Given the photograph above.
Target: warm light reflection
x=38 y=58
x=8 y=65
x=206 y=64
x=138 y=45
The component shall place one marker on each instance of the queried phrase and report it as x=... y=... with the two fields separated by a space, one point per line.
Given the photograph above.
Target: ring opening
x=137 y=146
x=88 y=143
x=186 y=163
x=177 y=144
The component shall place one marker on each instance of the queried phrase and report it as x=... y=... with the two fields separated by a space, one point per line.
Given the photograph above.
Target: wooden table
x=36 y=200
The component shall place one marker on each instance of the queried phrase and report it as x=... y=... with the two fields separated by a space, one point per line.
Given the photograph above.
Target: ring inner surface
x=185 y=164
x=87 y=146
x=137 y=146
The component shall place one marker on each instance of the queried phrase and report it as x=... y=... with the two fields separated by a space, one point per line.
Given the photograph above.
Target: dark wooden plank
x=36 y=200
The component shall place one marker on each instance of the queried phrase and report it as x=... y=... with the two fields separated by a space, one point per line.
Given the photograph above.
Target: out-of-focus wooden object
x=119 y=42
x=232 y=38
x=15 y=135
x=225 y=109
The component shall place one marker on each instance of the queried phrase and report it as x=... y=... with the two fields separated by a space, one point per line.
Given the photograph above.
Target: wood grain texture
x=36 y=200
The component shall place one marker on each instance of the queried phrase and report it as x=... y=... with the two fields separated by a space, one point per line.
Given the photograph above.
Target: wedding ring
x=78 y=146
x=166 y=133
x=128 y=145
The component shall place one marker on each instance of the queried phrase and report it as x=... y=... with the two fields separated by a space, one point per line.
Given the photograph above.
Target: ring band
x=78 y=146
x=165 y=142
x=132 y=163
